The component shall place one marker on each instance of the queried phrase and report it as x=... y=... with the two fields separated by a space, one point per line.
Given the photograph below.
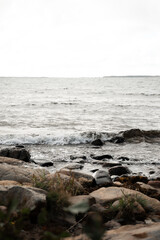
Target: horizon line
x=81 y=77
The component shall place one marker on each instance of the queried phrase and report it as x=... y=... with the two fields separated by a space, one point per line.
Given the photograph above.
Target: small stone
x=101 y=157
x=74 y=166
x=124 y=158
x=46 y=164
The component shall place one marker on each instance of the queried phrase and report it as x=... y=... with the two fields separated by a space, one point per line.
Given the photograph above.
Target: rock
x=75 y=174
x=117 y=139
x=94 y=170
x=155 y=184
x=102 y=178
x=75 y=157
x=112 y=225
x=98 y=208
x=74 y=166
x=25 y=197
x=117 y=184
x=16 y=152
x=151 y=172
x=134 y=232
x=46 y=164
x=146 y=188
x=101 y=157
x=97 y=142
x=132 y=133
x=111 y=164
x=8 y=182
x=11 y=161
x=132 y=179
x=124 y=158
x=19 y=174
x=3 y=209
x=111 y=194
x=118 y=170
x=81 y=198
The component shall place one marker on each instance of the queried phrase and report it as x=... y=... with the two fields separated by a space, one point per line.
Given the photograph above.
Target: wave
x=132 y=135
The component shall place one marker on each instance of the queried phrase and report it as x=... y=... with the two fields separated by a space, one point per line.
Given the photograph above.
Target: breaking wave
x=81 y=138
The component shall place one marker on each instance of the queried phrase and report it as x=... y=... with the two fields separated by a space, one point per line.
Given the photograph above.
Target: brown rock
x=111 y=194
x=82 y=198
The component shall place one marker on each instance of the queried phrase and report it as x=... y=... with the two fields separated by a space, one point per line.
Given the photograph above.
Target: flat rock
x=111 y=164
x=11 y=161
x=118 y=170
x=134 y=232
x=111 y=194
x=102 y=178
x=76 y=174
x=19 y=174
x=25 y=197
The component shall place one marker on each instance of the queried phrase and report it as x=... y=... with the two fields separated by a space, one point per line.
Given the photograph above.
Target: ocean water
x=58 y=117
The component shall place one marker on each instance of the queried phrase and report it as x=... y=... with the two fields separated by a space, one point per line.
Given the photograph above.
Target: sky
x=79 y=38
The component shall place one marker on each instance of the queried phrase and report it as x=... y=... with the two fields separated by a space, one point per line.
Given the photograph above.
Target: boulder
x=97 y=142
x=24 y=196
x=111 y=194
x=155 y=184
x=19 y=174
x=16 y=152
x=102 y=178
x=118 y=170
x=11 y=161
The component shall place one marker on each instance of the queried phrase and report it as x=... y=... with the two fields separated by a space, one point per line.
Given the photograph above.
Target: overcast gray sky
x=79 y=37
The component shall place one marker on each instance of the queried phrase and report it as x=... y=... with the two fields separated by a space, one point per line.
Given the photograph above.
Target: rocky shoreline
x=108 y=204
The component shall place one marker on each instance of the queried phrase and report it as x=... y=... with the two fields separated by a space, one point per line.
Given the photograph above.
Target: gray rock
x=97 y=142
x=102 y=178
x=118 y=170
x=74 y=166
x=25 y=197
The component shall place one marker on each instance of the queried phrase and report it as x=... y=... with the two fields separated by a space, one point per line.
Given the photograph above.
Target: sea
x=56 y=118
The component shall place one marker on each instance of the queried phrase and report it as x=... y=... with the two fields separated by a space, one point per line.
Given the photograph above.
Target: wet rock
x=75 y=157
x=94 y=170
x=102 y=178
x=117 y=139
x=26 y=197
x=111 y=164
x=118 y=170
x=19 y=146
x=16 y=152
x=151 y=172
x=111 y=194
x=74 y=166
x=97 y=142
x=132 y=133
x=101 y=157
x=46 y=164
x=124 y=158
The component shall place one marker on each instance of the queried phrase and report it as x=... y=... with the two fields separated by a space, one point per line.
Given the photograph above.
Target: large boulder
x=11 y=161
x=111 y=194
x=19 y=174
x=16 y=152
x=26 y=197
